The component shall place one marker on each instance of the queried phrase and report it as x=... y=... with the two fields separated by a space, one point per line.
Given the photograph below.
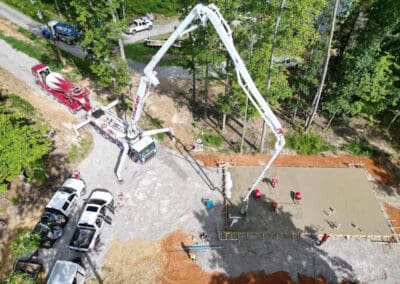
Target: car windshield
x=97 y=201
x=92 y=208
x=66 y=189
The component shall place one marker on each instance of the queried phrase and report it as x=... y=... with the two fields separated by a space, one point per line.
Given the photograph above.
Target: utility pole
x=321 y=86
x=44 y=18
x=120 y=43
x=278 y=20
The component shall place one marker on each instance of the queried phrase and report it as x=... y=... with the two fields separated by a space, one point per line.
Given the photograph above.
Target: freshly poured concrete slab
x=330 y=196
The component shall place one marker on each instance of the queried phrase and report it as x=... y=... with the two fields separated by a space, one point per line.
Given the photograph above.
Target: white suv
x=139 y=25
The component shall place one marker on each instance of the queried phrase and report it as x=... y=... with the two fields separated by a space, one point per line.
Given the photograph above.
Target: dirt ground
x=394 y=216
x=9 y=29
x=166 y=262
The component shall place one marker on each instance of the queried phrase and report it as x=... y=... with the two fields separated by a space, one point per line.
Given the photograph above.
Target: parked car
x=67 y=272
x=55 y=217
x=139 y=25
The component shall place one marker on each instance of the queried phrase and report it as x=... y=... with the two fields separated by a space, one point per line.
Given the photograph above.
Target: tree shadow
x=34 y=196
x=359 y=136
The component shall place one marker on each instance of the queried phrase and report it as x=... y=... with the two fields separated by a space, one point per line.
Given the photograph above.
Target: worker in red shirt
x=76 y=174
x=324 y=239
x=257 y=194
x=274 y=206
x=297 y=197
x=274 y=182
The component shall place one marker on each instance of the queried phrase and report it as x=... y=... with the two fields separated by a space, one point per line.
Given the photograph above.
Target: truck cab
x=87 y=233
x=60 y=31
x=143 y=150
x=55 y=217
x=67 y=272
x=139 y=25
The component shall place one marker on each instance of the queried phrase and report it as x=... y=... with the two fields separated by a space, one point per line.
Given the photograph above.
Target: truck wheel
x=150 y=28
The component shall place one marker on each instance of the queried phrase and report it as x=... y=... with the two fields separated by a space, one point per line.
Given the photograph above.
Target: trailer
x=73 y=96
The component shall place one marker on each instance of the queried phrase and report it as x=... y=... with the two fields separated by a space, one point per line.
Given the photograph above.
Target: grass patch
x=141 y=53
x=20 y=104
x=27 y=33
x=32 y=51
x=30 y=8
x=15 y=199
x=360 y=149
x=212 y=140
x=79 y=152
x=308 y=144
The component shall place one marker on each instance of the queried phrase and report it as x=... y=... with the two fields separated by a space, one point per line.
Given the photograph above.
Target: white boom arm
x=212 y=14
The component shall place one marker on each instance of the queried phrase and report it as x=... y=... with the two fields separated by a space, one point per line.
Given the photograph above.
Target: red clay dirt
x=377 y=170
x=180 y=269
x=394 y=217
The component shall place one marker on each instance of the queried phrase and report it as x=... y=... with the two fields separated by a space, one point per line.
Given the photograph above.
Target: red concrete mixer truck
x=64 y=91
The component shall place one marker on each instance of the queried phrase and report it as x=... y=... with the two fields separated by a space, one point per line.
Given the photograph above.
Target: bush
x=360 y=149
x=212 y=140
x=307 y=143
x=20 y=278
x=25 y=244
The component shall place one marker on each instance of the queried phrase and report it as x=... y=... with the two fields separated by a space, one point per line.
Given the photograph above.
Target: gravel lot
x=159 y=197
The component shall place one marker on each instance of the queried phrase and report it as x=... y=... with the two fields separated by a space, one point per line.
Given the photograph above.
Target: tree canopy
x=23 y=144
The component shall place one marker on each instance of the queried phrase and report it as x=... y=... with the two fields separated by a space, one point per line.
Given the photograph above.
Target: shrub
x=307 y=143
x=25 y=244
x=360 y=149
x=212 y=140
x=20 y=278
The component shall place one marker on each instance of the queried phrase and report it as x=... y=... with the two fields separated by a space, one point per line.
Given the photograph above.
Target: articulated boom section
x=204 y=14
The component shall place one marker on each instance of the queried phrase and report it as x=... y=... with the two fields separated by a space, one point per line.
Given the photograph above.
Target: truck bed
x=82 y=239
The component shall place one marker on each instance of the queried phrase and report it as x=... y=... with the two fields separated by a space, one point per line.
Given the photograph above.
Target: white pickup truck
x=67 y=272
x=55 y=217
x=139 y=25
x=87 y=233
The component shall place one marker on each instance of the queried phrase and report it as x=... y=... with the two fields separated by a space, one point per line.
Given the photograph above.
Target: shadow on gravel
x=185 y=151
x=252 y=258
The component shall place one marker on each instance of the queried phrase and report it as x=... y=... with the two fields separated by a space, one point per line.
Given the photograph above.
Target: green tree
x=20 y=278
x=101 y=34
x=25 y=244
x=23 y=144
x=365 y=78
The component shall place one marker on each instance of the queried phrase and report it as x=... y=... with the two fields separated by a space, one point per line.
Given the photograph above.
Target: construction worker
x=324 y=239
x=297 y=197
x=274 y=206
x=76 y=174
x=257 y=194
x=274 y=182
